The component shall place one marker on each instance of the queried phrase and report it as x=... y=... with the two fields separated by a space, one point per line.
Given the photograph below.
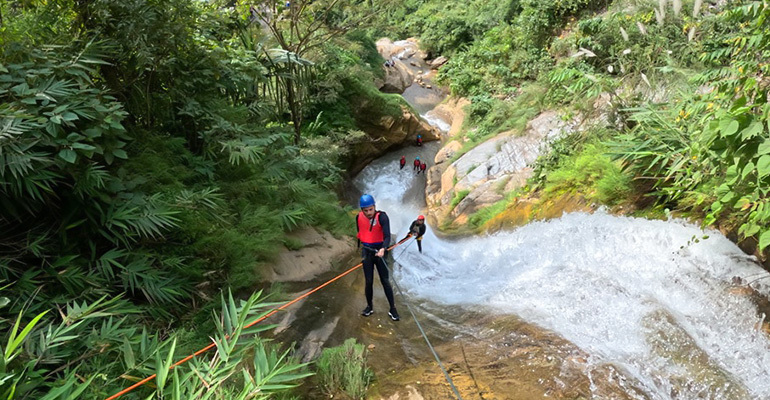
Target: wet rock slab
x=498 y=165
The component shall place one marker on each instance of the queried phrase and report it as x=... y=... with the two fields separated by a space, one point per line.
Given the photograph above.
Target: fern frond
x=144 y=218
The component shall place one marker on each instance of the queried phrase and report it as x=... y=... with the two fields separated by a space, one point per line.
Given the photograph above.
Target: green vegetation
x=153 y=155
x=458 y=197
x=708 y=153
x=293 y=243
x=343 y=369
x=482 y=216
x=592 y=174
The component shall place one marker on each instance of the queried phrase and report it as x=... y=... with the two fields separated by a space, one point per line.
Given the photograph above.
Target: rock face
x=407 y=65
x=320 y=248
x=397 y=79
x=400 y=76
x=438 y=62
x=486 y=172
x=388 y=132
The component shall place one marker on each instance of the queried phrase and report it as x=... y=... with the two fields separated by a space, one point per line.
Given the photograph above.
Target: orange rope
x=249 y=325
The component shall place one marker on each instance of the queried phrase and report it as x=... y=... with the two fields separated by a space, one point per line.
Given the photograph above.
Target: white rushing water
x=638 y=294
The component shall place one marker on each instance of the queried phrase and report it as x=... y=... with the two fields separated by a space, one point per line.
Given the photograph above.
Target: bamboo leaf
x=163 y=368
x=15 y=341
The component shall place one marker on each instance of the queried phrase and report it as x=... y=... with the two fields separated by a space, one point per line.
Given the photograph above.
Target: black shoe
x=367 y=311
x=393 y=314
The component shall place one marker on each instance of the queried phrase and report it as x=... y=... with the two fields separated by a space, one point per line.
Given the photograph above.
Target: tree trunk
x=294 y=109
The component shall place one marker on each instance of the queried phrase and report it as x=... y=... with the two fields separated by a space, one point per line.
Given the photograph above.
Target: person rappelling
x=417 y=229
x=419 y=140
x=416 y=164
x=402 y=162
x=374 y=237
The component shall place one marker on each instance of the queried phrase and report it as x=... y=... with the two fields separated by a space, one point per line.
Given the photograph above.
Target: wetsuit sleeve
x=385 y=223
x=358 y=241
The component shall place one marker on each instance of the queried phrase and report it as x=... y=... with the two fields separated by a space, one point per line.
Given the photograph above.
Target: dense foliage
x=152 y=154
x=711 y=151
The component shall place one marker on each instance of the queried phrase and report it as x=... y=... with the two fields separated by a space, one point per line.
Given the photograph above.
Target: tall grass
x=343 y=369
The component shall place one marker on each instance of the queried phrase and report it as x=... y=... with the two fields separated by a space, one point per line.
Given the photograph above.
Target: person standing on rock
x=422 y=168
x=419 y=140
x=417 y=229
x=374 y=236
x=402 y=162
x=416 y=164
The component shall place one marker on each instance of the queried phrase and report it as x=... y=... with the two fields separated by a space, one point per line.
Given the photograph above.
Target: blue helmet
x=417 y=158
x=366 y=201
x=419 y=136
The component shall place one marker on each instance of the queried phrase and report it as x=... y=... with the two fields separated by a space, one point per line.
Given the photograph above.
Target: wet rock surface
x=496 y=166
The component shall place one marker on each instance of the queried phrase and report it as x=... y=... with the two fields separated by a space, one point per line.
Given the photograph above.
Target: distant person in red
x=402 y=162
x=422 y=168
x=416 y=164
x=419 y=140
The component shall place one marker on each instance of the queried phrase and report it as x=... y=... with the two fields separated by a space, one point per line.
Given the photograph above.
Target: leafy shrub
x=343 y=369
x=713 y=148
x=140 y=170
x=292 y=243
x=591 y=173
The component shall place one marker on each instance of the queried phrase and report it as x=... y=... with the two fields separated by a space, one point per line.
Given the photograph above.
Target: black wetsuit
x=417 y=230
x=369 y=260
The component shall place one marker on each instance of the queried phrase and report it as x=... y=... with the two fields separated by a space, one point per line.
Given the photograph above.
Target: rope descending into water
x=419 y=326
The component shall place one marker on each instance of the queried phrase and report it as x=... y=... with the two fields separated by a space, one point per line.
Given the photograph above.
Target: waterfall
x=652 y=298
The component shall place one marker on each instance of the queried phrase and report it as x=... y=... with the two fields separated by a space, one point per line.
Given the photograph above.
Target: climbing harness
x=419 y=326
x=249 y=325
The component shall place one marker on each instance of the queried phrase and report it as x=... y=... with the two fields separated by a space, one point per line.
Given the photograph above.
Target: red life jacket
x=423 y=166
x=403 y=161
x=370 y=231
x=416 y=162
